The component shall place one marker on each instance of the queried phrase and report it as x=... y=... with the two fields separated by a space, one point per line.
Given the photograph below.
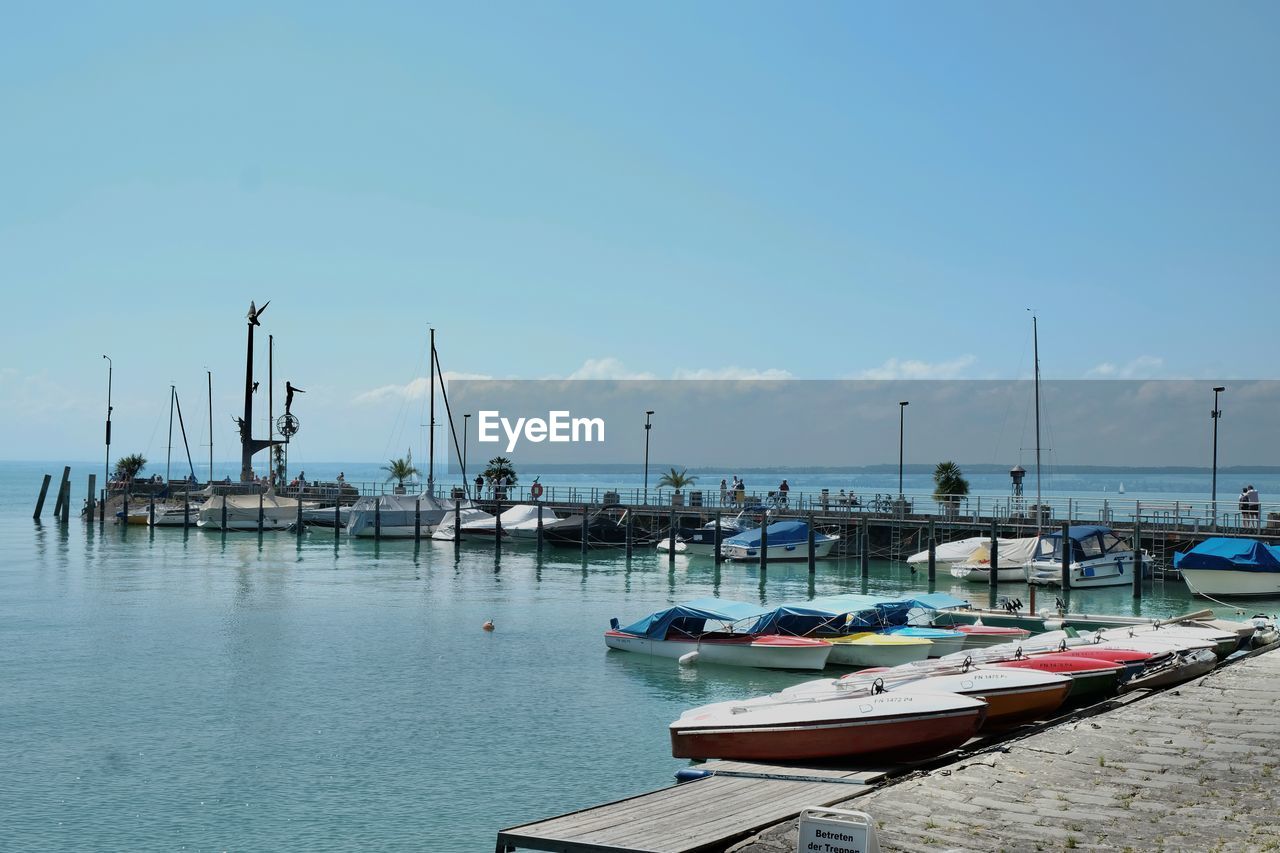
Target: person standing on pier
x=724 y=492
x=1254 y=506
x=783 y=489
x=739 y=491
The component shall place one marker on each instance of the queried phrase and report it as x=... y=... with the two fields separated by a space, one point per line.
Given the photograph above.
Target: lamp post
x=647 y=427
x=466 y=422
x=106 y=468
x=902 y=408
x=1216 y=414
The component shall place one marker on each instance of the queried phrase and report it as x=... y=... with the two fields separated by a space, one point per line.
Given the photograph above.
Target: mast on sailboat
x=1035 y=344
x=431 y=419
x=209 y=373
x=168 y=458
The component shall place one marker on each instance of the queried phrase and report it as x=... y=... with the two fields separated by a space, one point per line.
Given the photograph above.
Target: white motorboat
x=949 y=553
x=518 y=522
x=396 y=516
x=323 y=516
x=701 y=541
x=243 y=511
x=1231 y=567
x=176 y=516
x=720 y=632
x=1013 y=555
x=786 y=540
x=1098 y=557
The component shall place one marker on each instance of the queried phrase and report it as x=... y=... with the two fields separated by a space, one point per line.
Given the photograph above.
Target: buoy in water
x=488 y=626
x=688 y=658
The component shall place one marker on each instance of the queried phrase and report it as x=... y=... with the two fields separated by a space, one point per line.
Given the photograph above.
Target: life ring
x=536 y=490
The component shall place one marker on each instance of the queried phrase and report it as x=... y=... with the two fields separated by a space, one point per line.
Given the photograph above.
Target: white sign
x=836 y=831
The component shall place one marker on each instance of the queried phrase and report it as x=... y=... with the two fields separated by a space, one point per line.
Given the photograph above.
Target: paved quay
x=1189 y=769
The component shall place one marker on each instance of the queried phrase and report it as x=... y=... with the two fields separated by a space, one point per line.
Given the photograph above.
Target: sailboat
x=1122 y=488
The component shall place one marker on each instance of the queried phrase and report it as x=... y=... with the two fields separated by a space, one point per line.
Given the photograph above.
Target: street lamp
x=1216 y=414
x=106 y=472
x=902 y=408
x=647 y=426
x=466 y=422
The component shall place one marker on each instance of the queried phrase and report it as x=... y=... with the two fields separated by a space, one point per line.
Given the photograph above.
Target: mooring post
x=337 y=516
x=262 y=514
x=866 y=547
x=102 y=509
x=62 y=492
x=933 y=553
x=993 y=568
x=44 y=490
x=151 y=509
x=631 y=531
x=716 y=552
x=417 y=519
x=540 y=531
x=186 y=510
x=224 y=512
x=1137 y=559
x=124 y=508
x=584 y=529
x=457 y=521
x=1066 y=555
x=497 y=526
x=813 y=547
x=377 y=517
x=764 y=542
x=90 y=496
x=299 y=521
x=671 y=539
x=66 y=502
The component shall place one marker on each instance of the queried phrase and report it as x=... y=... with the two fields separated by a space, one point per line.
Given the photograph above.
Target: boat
x=701 y=541
x=323 y=516
x=243 y=511
x=1222 y=642
x=603 y=531
x=719 y=631
x=1231 y=567
x=1012 y=695
x=1014 y=554
x=397 y=516
x=1134 y=661
x=1178 y=668
x=870 y=649
x=1092 y=678
x=787 y=540
x=945 y=641
x=523 y=525
x=1098 y=557
x=892 y=725
x=947 y=553
x=176 y=516
x=978 y=636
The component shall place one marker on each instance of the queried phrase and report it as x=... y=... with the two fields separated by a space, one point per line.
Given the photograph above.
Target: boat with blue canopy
x=719 y=631
x=1231 y=566
x=787 y=540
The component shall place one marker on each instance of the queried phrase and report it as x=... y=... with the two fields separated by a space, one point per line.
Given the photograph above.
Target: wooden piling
x=1066 y=556
x=44 y=490
x=584 y=529
x=813 y=547
x=631 y=531
x=497 y=525
x=224 y=512
x=933 y=553
x=865 y=557
x=124 y=509
x=66 y=503
x=63 y=492
x=186 y=510
x=764 y=542
x=718 y=536
x=671 y=539
x=299 y=523
x=417 y=519
x=457 y=521
x=1137 y=559
x=377 y=518
x=993 y=567
x=262 y=514
x=151 y=510
x=102 y=509
x=540 y=531
x=90 y=498
x=337 y=516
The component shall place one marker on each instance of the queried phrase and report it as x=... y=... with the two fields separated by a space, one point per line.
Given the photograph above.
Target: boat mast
x=1035 y=343
x=271 y=406
x=431 y=425
x=209 y=373
x=168 y=457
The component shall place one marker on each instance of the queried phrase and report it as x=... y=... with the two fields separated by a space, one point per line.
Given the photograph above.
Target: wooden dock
x=1188 y=768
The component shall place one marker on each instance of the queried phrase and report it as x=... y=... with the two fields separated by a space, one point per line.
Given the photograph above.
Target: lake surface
x=163 y=691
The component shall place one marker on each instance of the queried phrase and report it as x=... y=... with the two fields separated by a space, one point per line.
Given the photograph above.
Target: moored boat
x=1231 y=567
x=1013 y=556
x=787 y=540
x=945 y=641
x=1097 y=557
x=947 y=553
x=249 y=512
x=1091 y=678
x=894 y=725
x=872 y=649
x=978 y=636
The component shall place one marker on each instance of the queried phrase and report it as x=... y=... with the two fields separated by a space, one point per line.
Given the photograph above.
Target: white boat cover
x=950 y=552
x=1014 y=553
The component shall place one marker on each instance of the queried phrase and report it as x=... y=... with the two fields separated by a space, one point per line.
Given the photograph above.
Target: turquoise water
x=164 y=691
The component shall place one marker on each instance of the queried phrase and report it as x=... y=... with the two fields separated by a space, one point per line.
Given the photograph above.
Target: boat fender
x=614 y=623
x=1053 y=624
x=691 y=774
x=689 y=658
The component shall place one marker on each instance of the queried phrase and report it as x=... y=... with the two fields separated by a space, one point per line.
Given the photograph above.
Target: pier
x=1187 y=768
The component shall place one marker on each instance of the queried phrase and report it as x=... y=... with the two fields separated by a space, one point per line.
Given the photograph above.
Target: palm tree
x=499 y=471
x=949 y=485
x=677 y=480
x=401 y=470
x=128 y=467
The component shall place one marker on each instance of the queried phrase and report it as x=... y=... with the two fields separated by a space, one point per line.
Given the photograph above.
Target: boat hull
x=762 y=652
x=1104 y=571
x=1091 y=679
x=973 y=574
x=781 y=553
x=866 y=650
x=858 y=736
x=1006 y=705
x=1217 y=582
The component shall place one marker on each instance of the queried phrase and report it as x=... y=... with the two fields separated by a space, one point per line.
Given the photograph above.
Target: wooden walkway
x=1193 y=768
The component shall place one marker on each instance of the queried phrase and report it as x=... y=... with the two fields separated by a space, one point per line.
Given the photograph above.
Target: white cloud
x=913 y=369
x=416 y=389
x=607 y=368
x=731 y=373
x=1142 y=367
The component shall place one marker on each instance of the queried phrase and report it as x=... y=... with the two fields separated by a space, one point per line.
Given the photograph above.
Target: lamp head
x=1220 y=389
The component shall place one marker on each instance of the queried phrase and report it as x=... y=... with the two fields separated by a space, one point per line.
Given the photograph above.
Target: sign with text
x=824 y=830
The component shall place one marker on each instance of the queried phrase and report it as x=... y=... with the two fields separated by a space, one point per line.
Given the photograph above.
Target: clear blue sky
x=823 y=191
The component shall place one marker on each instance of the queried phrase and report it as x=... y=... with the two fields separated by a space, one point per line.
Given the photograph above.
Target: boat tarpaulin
x=780 y=533
x=1232 y=555
x=839 y=614
x=692 y=616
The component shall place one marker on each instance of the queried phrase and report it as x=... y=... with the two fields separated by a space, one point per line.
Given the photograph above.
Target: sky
x=579 y=190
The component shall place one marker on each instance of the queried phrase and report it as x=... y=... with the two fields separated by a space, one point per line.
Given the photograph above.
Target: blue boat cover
x=1230 y=555
x=780 y=533
x=847 y=614
x=691 y=618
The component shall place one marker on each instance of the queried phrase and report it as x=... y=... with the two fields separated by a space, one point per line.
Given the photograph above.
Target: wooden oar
x=1188 y=617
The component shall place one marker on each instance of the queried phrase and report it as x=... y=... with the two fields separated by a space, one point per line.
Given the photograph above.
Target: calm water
x=172 y=691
